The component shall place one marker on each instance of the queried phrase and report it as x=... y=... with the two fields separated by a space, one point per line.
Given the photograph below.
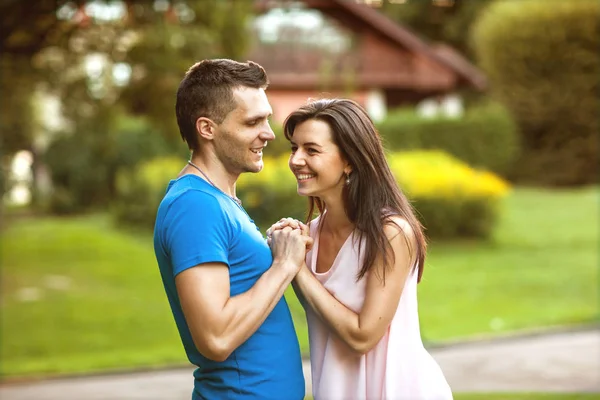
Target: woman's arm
x=362 y=331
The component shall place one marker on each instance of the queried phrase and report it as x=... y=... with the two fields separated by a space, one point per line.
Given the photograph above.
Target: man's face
x=244 y=132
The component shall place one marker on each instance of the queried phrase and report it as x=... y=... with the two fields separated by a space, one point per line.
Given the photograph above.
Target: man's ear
x=205 y=128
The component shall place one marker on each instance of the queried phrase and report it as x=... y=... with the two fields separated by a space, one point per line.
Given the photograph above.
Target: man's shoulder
x=186 y=191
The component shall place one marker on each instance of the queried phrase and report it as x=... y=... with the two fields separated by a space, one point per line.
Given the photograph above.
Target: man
x=223 y=283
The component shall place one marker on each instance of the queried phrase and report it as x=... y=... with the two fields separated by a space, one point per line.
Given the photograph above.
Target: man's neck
x=212 y=171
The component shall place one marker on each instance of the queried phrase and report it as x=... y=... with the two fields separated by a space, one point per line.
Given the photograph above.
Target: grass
x=78 y=295
x=521 y=396
x=541 y=269
x=527 y=396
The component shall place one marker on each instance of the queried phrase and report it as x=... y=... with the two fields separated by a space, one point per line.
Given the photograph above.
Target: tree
x=438 y=21
x=72 y=50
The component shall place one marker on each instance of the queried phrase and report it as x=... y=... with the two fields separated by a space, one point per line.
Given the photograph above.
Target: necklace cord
x=238 y=201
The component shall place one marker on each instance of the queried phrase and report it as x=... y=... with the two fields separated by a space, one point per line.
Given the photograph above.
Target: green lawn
x=541 y=269
x=79 y=296
x=527 y=396
x=521 y=396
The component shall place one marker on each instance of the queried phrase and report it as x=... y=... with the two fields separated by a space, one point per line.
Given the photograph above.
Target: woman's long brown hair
x=372 y=197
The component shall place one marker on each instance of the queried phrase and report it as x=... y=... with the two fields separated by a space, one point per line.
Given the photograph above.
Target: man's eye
x=294 y=148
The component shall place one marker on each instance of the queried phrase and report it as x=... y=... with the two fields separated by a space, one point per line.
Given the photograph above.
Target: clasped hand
x=292 y=225
x=289 y=241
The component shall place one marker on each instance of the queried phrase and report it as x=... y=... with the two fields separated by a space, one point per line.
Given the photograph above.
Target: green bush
x=280 y=145
x=141 y=189
x=271 y=194
x=452 y=199
x=84 y=165
x=485 y=136
x=543 y=63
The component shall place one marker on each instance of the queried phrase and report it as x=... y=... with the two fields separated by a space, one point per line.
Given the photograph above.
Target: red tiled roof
x=374 y=20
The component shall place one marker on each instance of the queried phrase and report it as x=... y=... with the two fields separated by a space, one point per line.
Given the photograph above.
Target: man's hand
x=288 y=246
x=292 y=223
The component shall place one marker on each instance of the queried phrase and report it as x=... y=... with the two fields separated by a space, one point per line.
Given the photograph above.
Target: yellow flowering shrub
x=271 y=194
x=451 y=198
x=435 y=173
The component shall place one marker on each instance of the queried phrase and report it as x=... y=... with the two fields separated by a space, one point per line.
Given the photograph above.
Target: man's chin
x=254 y=168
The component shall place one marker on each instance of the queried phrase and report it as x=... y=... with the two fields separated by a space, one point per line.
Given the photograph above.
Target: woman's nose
x=297 y=158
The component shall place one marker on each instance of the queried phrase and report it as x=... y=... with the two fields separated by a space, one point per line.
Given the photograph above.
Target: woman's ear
x=205 y=128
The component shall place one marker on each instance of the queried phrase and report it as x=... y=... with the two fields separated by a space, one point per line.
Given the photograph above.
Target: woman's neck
x=336 y=221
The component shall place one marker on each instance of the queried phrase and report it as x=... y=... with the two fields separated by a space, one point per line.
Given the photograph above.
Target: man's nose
x=267 y=133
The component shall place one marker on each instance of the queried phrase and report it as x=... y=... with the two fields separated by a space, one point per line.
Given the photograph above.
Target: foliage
x=166 y=49
x=451 y=199
x=280 y=146
x=84 y=166
x=449 y=24
x=485 y=137
x=91 y=64
x=271 y=194
x=100 y=304
x=141 y=189
x=544 y=65
x=16 y=110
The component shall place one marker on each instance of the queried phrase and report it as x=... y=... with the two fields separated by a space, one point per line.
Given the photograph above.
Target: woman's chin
x=303 y=192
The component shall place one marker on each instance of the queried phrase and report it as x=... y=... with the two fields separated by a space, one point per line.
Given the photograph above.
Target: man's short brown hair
x=207 y=91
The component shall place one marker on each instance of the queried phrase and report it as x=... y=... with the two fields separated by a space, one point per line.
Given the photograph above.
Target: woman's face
x=316 y=160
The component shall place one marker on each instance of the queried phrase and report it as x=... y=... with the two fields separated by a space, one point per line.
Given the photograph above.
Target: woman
x=359 y=282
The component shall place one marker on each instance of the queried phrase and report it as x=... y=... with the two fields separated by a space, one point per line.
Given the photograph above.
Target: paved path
x=553 y=362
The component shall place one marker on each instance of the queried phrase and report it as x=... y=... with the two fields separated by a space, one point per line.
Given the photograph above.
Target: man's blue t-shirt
x=196 y=223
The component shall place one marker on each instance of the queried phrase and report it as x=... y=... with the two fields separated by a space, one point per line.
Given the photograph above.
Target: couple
x=354 y=268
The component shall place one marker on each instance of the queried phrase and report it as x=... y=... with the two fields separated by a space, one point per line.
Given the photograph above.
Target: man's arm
x=220 y=323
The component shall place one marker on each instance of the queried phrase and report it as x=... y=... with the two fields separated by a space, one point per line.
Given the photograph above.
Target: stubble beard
x=234 y=155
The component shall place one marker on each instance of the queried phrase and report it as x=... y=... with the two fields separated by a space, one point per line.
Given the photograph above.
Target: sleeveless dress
x=397 y=368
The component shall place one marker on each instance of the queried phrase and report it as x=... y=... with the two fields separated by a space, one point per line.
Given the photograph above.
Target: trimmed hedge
x=485 y=136
x=452 y=199
x=543 y=63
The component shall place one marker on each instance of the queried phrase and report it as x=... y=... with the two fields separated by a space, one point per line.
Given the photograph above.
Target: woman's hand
x=292 y=223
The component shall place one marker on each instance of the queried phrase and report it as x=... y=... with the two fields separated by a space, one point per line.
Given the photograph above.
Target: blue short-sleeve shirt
x=196 y=224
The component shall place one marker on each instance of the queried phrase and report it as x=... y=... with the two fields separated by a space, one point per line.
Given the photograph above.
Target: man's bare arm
x=220 y=323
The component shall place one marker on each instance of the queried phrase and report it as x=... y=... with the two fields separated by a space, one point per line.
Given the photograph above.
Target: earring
x=347 y=178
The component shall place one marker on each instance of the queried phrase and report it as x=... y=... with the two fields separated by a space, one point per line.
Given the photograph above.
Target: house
x=355 y=51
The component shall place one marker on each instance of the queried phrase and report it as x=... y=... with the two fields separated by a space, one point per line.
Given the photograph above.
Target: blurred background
x=488 y=110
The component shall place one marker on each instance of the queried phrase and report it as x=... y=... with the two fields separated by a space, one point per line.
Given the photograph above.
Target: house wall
x=383 y=64
x=284 y=102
